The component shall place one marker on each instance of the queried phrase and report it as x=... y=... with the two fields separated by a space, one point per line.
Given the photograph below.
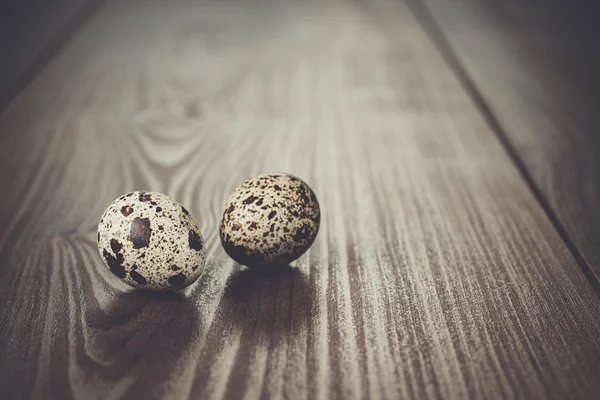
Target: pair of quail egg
x=150 y=241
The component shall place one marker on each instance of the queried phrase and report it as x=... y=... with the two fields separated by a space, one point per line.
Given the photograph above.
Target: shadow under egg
x=140 y=335
x=268 y=299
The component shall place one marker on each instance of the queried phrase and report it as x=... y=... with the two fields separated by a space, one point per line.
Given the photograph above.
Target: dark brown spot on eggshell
x=114 y=264
x=194 y=241
x=140 y=232
x=249 y=200
x=301 y=234
x=177 y=280
x=136 y=276
x=238 y=253
x=115 y=245
x=126 y=210
x=144 y=196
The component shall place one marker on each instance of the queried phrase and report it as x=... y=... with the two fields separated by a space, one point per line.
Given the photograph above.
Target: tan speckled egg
x=270 y=219
x=150 y=241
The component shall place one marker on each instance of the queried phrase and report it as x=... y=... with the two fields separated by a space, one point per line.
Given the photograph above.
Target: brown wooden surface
x=536 y=64
x=436 y=273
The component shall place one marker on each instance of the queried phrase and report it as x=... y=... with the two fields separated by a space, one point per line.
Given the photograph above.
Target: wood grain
x=436 y=274
x=537 y=66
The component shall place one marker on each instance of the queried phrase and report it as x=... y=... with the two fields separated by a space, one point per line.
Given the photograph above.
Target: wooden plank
x=31 y=32
x=435 y=274
x=537 y=65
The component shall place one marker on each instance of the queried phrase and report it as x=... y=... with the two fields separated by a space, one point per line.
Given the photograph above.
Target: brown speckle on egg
x=194 y=240
x=140 y=232
x=144 y=236
x=136 y=276
x=270 y=219
x=177 y=280
x=114 y=264
x=126 y=210
x=143 y=196
x=115 y=245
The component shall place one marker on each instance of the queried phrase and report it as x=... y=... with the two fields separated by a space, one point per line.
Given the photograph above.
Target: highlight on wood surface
x=435 y=274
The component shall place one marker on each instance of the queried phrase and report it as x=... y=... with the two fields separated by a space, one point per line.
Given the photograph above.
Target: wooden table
x=452 y=149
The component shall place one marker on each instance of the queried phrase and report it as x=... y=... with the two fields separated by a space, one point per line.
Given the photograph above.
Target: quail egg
x=150 y=241
x=270 y=219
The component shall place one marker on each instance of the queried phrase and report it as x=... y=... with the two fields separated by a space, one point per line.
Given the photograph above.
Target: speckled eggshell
x=270 y=219
x=150 y=241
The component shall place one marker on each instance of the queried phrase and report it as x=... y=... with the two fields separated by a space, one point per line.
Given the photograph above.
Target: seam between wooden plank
x=83 y=15
x=441 y=43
